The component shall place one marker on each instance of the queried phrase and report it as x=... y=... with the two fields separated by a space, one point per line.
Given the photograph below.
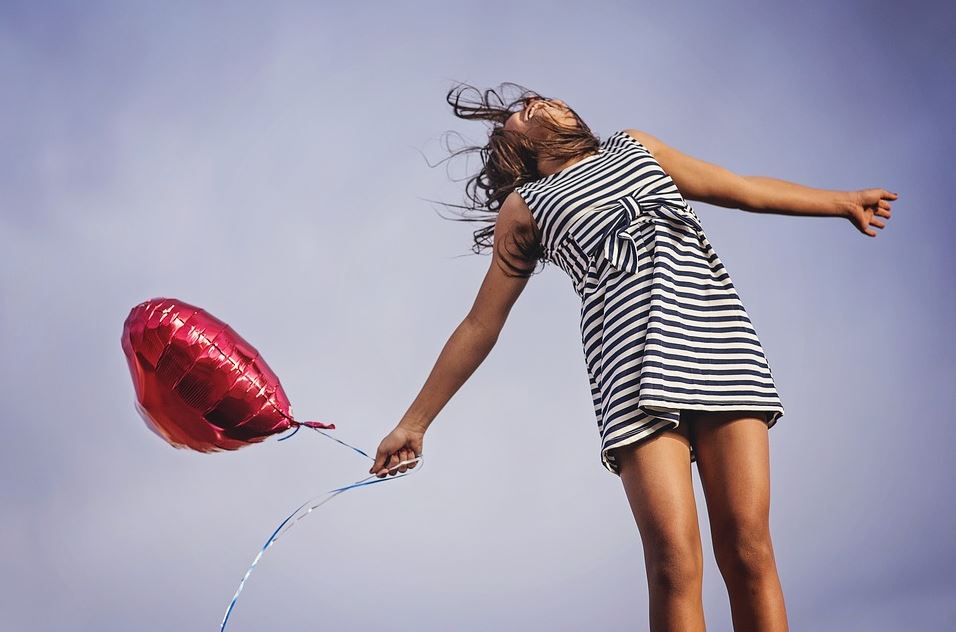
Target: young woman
x=676 y=370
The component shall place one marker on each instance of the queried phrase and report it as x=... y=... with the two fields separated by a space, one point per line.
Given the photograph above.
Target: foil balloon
x=198 y=383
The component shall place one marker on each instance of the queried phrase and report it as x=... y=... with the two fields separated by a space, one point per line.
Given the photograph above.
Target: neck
x=548 y=166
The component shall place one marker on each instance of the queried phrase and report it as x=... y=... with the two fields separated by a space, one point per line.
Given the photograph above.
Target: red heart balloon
x=198 y=383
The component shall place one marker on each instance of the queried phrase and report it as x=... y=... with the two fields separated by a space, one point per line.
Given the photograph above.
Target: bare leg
x=657 y=480
x=733 y=460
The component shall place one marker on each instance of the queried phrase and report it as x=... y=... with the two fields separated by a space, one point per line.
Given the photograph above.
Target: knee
x=744 y=552
x=674 y=568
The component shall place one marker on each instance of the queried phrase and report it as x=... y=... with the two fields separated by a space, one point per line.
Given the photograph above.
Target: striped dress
x=662 y=326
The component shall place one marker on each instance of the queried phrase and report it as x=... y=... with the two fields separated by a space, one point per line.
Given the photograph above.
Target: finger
x=890 y=195
x=870 y=232
x=379 y=460
x=877 y=222
x=383 y=469
x=410 y=456
x=418 y=445
x=404 y=457
x=419 y=451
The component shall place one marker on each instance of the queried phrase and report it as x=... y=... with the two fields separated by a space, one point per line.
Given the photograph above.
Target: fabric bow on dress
x=617 y=237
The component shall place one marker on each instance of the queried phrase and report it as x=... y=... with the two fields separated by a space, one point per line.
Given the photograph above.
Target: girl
x=676 y=370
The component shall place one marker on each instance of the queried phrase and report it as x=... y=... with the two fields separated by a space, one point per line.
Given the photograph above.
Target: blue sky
x=270 y=163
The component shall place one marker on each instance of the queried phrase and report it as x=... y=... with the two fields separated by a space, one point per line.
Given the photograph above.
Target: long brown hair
x=510 y=159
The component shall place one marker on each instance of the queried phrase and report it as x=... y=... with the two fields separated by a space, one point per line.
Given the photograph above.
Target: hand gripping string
x=307 y=507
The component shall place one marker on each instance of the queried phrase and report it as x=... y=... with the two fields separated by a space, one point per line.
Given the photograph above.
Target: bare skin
x=732 y=447
x=734 y=466
x=657 y=481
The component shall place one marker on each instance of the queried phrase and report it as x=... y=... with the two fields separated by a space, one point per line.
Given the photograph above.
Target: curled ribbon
x=307 y=507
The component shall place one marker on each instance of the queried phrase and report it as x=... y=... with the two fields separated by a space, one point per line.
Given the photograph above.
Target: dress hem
x=649 y=406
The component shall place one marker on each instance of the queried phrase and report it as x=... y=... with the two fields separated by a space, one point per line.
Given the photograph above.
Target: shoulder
x=653 y=144
x=515 y=212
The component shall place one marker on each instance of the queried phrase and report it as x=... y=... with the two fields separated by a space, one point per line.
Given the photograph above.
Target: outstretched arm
x=467 y=346
x=713 y=184
x=477 y=334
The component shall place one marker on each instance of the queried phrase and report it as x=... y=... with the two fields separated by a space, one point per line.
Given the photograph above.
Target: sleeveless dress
x=662 y=326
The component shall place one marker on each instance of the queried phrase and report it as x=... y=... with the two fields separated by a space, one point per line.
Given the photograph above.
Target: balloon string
x=289 y=436
x=337 y=439
x=306 y=508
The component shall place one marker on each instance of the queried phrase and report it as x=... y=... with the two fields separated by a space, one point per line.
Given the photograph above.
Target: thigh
x=657 y=480
x=733 y=461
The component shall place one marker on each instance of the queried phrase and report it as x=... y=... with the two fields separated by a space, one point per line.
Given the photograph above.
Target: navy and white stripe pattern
x=662 y=325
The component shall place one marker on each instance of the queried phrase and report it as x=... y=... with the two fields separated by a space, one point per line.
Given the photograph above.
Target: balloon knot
x=318 y=424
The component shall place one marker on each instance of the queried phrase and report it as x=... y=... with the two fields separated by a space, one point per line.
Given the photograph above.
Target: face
x=527 y=120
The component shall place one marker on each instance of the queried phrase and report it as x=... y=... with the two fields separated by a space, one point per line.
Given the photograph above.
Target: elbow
x=743 y=195
x=484 y=329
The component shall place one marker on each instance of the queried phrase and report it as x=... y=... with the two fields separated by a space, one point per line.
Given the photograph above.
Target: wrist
x=846 y=202
x=416 y=424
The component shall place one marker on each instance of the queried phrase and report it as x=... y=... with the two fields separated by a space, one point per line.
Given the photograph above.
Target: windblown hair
x=509 y=159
